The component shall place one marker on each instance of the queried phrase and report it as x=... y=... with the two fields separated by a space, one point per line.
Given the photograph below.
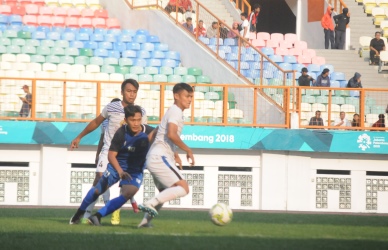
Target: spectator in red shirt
x=200 y=30
x=380 y=123
x=186 y=5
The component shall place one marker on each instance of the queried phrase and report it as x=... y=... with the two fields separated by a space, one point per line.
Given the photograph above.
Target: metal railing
x=242 y=5
x=338 y=5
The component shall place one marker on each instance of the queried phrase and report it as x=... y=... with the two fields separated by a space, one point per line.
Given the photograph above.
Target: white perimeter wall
x=284 y=181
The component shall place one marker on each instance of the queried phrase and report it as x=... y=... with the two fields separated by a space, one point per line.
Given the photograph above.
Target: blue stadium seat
x=15 y=19
x=133 y=46
x=276 y=58
x=45 y=29
x=142 y=32
x=39 y=35
x=125 y=62
x=298 y=67
x=114 y=32
x=99 y=31
x=110 y=38
x=105 y=45
x=354 y=93
x=97 y=37
x=119 y=46
x=125 y=38
x=172 y=55
x=244 y=65
x=3 y=19
x=88 y=31
x=143 y=54
x=230 y=41
x=72 y=30
x=53 y=35
x=157 y=54
x=68 y=36
x=337 y=76
x=77 y=44
x=232 y=57
x=154 y=62
x=140 y=38
x=251 y=51
x=147 y=46
x=253 y=74
x=90 y=45
x=267 y=74
x=247 y=57
x=60 y=30
x=205 y=40
x=169 y=63
x=213 y=41
x=152 y=39
x=114 y=54
x=140 y=62
x=82 y=37
x=327 y=66
x=334 y=84
x=128 y=32
x=100 y=52
x=290 y=59
x=267 y=51
x=285 y=66
x=235 y=49
x=314 y=68
x=231 y=63
x=161 y=47
x=31 y=29
x=343 y=83
x=129 y=53
x=254 y=65
x=226 y=49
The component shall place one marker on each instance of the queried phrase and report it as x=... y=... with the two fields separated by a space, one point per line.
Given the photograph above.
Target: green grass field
x=38 y=228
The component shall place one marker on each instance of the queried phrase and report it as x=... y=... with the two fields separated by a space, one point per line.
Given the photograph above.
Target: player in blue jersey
x=127 y=154
x=113 y=113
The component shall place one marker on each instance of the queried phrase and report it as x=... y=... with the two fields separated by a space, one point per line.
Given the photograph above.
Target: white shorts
x=163 y=170
x=102 y=162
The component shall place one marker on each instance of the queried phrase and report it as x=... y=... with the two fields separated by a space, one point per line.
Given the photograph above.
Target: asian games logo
x=364 y=142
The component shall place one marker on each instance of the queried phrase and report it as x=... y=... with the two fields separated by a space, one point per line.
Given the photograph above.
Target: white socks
x=167 y=195
x=89 y=209
x=133 y=199
x=106 y=196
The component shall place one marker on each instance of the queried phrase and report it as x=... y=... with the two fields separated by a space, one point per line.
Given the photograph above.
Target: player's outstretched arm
x=99 y=147
x=172 y=134
x=89 y=128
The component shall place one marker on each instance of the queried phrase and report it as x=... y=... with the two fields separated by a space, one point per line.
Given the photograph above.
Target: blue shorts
x=111 y=177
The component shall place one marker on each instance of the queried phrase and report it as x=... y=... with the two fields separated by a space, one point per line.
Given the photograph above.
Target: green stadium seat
x=145 y=78
x=3 y=49
x=214 y=89
x=18 y=42
x=203 y=89
x=24 y=34
x=308 y=99
x=57 y=51
x=342 y=93
x=214 y=96
x=86 y=52
x=180 y=71
x=136 y=70
x=275 y=82
x=95 y=60
x=47 y=43
x=42 y=115
x=189 y=79
x=200 y=119
x=313 y=92
x=33 y=42
x=370 y=102
x=53 y=59
x=232 y=104
x=269 y=91
x=109 y=69
x=62 y=44
x=153 y=118
x=5 y=41
x=151 y=70
x=28 y=49
x=72 y=52
x=194 y=71
x=125 y=62
x=322 y=99
x=10 y=33
x=71 y=115
x=214 y=120
x=122 y=69
x=55 y=115
x=43 y=50
x=83 y=60
x=131 y=76
x=203 y=79
x=166 y=70
x=38 y=58
x=352 y=100
x=67 y=59
x=88 y=116
x=13 y=49
x=174 y=78
x=265 y=82
x=111 y=61
x=337 y=100
x=160 y=78
x=324 y=92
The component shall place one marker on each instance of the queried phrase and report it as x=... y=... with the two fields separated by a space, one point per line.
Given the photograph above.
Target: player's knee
x=185 y=186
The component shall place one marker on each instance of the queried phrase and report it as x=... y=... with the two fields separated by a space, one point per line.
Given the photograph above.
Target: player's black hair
x=131 y=110
x=325 y=71
x=244 y=14
x=130 y=81
x=115 y=100
x=182 y=86
x=377 y=32
x=189 y=19
x=257 y=6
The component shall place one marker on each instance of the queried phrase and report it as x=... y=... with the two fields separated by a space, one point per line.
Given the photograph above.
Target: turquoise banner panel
x=212 y=137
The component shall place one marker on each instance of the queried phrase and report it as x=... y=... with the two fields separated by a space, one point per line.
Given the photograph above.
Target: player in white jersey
x=162 y=158
x=114 y=114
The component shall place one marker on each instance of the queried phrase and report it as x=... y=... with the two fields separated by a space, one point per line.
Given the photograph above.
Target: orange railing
x=242 y=5
x=338 y=5
x=213 y=104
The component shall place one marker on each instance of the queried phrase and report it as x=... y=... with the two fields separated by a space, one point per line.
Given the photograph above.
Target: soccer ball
x=221 y=214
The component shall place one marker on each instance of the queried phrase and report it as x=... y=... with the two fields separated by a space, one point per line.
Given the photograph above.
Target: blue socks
x=112 y=205
x=90 y=197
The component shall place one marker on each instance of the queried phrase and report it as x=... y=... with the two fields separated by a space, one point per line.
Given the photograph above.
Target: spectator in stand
x=234 y=31
x=341 y=21
x=380 y=123
x=316 y=120
x=171 y=6
x=189 y=24
x=254 y=18
x=200 y=30
x=213 y=31
x=223 y=30
x=341 y=121
x=328 y=28
x=355 y=81
x=356 y=120
x=323 y=80
x=305 y=79
x=376 y=45
x=244 y=26
x=27 y=101
x=185 y=5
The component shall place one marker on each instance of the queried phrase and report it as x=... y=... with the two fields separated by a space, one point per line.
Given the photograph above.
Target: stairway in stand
x=219 y=9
